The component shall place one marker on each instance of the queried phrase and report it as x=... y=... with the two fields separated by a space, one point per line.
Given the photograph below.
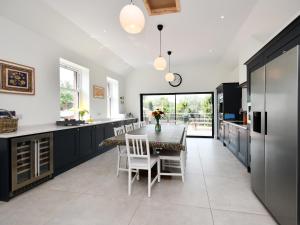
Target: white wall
x=23 y=46
x=196 y=78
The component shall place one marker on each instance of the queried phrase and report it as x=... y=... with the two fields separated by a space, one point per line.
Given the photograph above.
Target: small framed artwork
x=16 y=78
x=98 y=92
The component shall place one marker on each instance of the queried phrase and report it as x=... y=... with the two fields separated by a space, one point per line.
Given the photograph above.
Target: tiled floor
x=216 y=192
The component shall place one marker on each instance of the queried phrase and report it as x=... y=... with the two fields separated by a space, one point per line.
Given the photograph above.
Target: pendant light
x=132 y=19
x=169 y=76
x=160 y=62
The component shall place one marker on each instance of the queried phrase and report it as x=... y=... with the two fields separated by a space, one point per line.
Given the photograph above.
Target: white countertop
x=37 y=129
x=235 y=124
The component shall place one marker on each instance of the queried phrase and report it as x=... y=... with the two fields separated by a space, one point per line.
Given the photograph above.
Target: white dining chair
x=136 y=125
x=122 y=152
x=128 y=128
x=143 y=123
x=139 y=158
x=174 y=159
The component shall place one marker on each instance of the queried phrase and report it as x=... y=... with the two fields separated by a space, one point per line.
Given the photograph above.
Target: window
x=112 y=98
x=195 y=110
x=69 y=92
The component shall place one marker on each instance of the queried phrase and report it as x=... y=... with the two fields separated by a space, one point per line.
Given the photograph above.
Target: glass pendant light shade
x=169 y=77
x=132 y=19
x=160 y=63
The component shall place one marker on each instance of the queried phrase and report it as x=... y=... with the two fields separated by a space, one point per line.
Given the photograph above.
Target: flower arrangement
x=158 y=114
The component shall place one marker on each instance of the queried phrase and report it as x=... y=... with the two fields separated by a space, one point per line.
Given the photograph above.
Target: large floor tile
x=237 y=218
x=170 y=214
x=232 y=194
x=95 y=210
x=191 y=192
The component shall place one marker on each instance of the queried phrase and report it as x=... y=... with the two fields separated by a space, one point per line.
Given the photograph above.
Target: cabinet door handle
x=266 y=123
x=35 y=158
x=38 y=157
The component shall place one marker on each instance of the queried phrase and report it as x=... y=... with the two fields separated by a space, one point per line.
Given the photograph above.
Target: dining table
x=170 y=138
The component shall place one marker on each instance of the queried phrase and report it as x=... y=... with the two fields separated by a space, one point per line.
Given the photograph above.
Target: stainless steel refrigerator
x=274 y=136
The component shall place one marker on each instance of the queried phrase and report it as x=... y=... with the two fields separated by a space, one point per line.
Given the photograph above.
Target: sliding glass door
x=195 y=110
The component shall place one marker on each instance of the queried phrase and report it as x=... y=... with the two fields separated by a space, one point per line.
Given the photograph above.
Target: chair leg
x=149 y=182
x=138 y=174
x=118 y=163
x=182 y=169
x=158 y=170
x=129 y=181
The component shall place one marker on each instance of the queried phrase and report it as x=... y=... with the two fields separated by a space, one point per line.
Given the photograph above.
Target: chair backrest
x=136 y=125
x=119 y=130
x=143 y=123
x=128 y=128
x=137 y=146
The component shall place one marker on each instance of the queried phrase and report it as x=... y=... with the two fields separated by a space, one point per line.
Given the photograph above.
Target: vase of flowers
x=158 y=114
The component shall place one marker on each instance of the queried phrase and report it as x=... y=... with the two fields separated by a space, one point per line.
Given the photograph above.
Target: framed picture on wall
x=98 y=92
x=16 y=78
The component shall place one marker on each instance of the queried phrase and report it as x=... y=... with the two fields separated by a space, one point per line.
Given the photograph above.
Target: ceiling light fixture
x=169 y=76
x=222 y=17
x=132 y=19
x=160 y=62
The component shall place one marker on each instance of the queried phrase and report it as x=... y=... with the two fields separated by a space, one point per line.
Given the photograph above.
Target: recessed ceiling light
x=222 y=17
x=104 y=31
x=211 y=51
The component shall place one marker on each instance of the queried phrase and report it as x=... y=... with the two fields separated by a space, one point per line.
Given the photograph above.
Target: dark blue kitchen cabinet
x=233 y=144
x=86 y=141
x=66 y=149
x=243 y=146
x=99 y=137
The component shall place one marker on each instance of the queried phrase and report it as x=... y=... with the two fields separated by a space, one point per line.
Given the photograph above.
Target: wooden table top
x=171 y=137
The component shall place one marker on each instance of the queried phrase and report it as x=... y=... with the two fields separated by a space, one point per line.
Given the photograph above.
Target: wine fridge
x=31 y=159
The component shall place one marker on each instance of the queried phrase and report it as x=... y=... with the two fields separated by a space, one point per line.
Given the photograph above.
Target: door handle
x=266 y=123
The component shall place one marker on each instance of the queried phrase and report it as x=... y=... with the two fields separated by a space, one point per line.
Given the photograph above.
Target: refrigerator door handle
x=266 y=123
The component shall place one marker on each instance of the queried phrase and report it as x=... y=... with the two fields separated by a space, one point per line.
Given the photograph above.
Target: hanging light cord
x=160 y=43
x=169 y=63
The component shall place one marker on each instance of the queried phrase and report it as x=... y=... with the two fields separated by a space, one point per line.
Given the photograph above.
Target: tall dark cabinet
x=229 y=101
x=274 y=92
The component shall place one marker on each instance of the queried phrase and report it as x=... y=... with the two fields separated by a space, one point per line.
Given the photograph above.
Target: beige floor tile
x=232 y=194
x=237 y=218
x=95 y=210
x=170 y=214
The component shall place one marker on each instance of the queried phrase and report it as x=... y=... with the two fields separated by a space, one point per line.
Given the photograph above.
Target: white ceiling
x=196 y=35
x=191 y=34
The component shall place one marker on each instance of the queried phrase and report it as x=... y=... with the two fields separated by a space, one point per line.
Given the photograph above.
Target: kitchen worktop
x=237 y=124
x=36 y=129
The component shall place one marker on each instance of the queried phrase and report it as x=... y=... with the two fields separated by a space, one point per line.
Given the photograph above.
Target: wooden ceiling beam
x=160 y=7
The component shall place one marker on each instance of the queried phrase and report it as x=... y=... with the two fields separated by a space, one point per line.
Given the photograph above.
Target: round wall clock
x=177 y=81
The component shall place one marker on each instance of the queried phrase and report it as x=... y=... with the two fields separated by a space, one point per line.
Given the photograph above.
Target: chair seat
x=140 y=163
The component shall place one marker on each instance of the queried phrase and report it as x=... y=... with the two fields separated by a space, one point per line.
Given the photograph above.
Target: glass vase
x=157 y=126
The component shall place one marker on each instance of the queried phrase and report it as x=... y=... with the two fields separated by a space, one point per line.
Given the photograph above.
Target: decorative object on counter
x=8 y=122
x=98 y=92
x=16 y=78
x=67 y=122
x=82 y=112
x=130 y=115
x=177 y=80
x=157 y=114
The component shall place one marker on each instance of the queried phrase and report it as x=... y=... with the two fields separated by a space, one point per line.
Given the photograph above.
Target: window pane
x=165 y=103
x=69 y=102
x=67 y=78
x=195 y=110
